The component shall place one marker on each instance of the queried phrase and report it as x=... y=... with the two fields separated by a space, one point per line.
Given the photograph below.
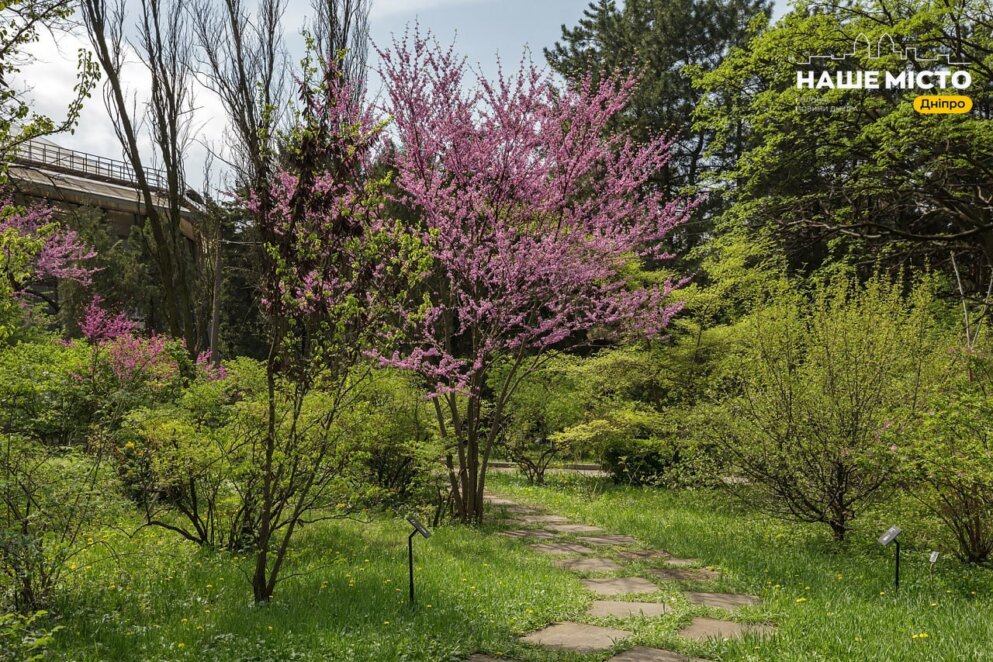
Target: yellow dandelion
x=801 y=599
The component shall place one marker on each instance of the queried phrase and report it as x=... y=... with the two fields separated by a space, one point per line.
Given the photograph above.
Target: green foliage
x=23 y=638
x=22 y=22
x=546 y=402
x=394 y=431
x=820 y=381
x=669 y=42
x=836 y=175
x=947 y=454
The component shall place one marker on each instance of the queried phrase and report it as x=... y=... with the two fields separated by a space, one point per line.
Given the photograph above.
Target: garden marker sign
x=887 y=538
x=418 y=528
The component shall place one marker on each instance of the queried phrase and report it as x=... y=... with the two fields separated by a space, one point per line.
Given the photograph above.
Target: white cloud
x=49 y=82
x=383 y=8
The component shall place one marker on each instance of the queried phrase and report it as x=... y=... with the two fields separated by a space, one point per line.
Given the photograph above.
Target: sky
x=485 y=31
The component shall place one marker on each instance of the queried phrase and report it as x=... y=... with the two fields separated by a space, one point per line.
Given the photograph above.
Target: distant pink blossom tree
x=51 y=251
x=536 y=216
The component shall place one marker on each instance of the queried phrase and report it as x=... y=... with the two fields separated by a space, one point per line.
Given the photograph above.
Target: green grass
x=162 y=599
x=165 y=600
x=829 y=601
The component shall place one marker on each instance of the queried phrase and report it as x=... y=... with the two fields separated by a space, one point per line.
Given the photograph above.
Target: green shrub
x=820 y=381
x=23 y=637
x=948 y=454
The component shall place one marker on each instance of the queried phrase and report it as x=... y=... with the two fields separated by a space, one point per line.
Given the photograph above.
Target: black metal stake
x=896 y=580
x=410 y=561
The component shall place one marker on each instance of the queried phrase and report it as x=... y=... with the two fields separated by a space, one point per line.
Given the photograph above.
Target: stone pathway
x=575 y=543
x=577 y=637
x=588 y=565
x=728 y=601
x=685 y=574
x=620 y=586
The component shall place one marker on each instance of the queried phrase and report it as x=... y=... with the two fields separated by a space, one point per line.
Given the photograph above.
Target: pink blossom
x=210 y=370
x=62 y=254
x=533 y=212
x=98 y=325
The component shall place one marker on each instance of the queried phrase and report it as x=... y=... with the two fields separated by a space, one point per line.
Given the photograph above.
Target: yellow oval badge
x=931 y=104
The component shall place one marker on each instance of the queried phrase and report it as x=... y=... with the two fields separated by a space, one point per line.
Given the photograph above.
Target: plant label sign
x=890 y=534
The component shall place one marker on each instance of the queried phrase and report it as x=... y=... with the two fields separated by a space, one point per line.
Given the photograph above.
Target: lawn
x=831 y=602
x=346 y=598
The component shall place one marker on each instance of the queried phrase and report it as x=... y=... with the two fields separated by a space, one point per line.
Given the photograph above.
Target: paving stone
x=544 y=519
x=711 y=628
x=686 y=574
x=528 y=533
x=620 y=585
x=722 y=600
x=607 y=540
x=643 y=554
x=574 y=528
x=641 y=654
x=561 y=549
x=625 y=609
x=576 y=637
x=588 y=565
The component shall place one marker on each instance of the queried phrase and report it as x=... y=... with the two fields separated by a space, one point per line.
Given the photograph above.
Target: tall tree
x=164 y=45
x=536 y=220
x=666 y=42
x=857 y=175
x=334 y=273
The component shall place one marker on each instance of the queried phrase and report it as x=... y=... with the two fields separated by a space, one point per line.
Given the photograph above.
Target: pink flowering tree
x=536 y=218
x=334 y=271
x=34 y=249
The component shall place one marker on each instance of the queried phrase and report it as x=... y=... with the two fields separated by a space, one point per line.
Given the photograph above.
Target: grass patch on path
x=830 y=602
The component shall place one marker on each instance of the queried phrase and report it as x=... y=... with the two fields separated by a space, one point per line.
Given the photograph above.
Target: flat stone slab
x=607 y=540
x=560 y=549
x=576 y=637
x=721 y=600
x=642 y=654
x=620 y=585
x=543 y=519
x=686 y=574
x=574 y=528
x=625 y=609
x=642 y=554
x=588 y=565
x=701 y=629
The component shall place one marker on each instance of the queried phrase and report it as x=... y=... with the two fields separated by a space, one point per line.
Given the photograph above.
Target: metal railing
x=70 y=161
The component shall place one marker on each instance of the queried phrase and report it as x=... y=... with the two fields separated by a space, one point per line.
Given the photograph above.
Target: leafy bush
x=667 y=454
x=396 y=447
x=23 y=638
x=948 y=454
x=820 y=381
x=545 y=402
